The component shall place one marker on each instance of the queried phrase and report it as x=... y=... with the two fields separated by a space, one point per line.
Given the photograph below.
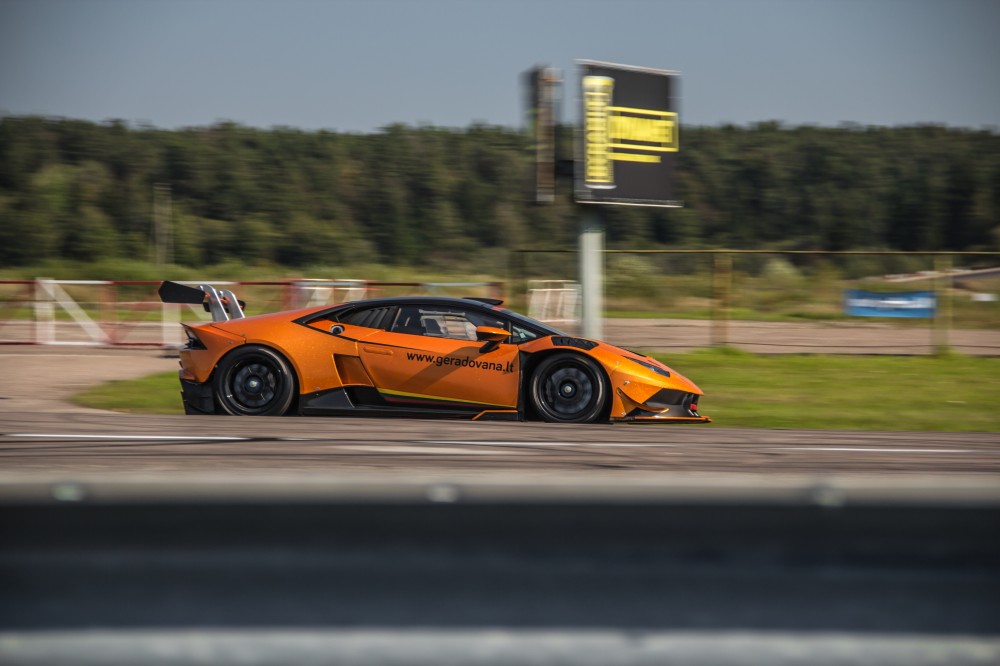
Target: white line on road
x=424 y=449
x=602 y=445
x=151 y=350
x=177 y=438
x=862 y=449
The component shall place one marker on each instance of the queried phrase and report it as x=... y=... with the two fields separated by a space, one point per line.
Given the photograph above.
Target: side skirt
x=366 y=401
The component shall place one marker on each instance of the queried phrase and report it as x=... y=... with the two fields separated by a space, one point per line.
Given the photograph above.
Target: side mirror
x=336 y=329
x=492 y=336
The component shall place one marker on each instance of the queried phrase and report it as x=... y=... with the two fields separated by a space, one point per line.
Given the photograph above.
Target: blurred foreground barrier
x=429 y=576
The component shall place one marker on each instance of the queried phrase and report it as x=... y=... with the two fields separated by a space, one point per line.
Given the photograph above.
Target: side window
x=409 y=321
x=443 y=322
x=369 y=317
x=519 y=334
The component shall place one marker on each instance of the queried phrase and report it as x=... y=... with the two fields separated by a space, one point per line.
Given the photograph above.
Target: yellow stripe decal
x=435 y=398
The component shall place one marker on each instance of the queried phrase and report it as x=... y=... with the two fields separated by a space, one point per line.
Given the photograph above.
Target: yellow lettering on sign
x=636 y=157
x=620 y=134
x=598 y=171
x=643 y=129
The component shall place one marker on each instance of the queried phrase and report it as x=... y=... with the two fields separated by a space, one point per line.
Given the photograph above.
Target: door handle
x=378 y=350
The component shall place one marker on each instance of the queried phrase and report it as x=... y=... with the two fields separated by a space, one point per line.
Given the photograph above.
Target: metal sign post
x=591 y=243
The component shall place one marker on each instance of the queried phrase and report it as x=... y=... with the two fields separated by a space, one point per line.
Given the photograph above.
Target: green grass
x=944 y=393
x=155 y=394
x=949 y=393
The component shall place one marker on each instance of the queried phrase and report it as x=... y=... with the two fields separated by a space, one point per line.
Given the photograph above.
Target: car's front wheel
x=254 y=381
x=569 y=388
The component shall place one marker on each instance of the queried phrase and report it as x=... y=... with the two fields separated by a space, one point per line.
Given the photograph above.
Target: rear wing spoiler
x=222 y=303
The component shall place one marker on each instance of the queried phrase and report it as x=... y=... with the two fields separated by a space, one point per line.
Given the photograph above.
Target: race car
x=415 y=356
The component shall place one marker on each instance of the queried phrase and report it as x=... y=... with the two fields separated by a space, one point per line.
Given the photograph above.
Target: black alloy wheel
x=254 y=381
x=569 y=388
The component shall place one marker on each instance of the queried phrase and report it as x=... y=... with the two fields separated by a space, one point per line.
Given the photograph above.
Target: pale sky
x=353 y=65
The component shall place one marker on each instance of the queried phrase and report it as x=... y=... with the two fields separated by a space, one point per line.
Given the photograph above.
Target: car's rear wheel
x=569 y=388
x=254 y=381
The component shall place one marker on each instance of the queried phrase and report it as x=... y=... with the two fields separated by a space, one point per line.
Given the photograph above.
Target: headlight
x=655 y=368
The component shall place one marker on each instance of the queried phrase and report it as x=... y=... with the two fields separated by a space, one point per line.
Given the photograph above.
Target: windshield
x=528 y=322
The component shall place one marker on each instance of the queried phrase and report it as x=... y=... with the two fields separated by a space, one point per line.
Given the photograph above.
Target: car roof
x=490 y=305
x=395 y=301
x=481 y=303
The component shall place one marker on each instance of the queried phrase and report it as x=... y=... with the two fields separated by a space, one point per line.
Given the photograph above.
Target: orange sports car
x=415 y=356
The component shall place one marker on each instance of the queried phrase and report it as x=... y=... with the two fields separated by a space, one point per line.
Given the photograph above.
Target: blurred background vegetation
x=457 y=200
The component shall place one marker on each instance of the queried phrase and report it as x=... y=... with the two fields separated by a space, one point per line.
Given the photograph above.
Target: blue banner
x=858 y=303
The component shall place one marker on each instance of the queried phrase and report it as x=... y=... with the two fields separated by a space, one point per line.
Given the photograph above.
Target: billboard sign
x=915 y=304
x=629 y=135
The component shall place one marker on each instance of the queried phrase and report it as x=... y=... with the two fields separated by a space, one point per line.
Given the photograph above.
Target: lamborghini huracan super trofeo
x=415 y=356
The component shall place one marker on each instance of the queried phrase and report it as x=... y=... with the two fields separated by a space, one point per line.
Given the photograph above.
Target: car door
x=430 y=358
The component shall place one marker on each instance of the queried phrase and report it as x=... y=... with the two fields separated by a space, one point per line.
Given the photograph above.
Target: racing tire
x=569 y=388
x=254 y=381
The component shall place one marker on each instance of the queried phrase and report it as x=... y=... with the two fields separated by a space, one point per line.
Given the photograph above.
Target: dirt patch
x=43 y=378
x=796 y=338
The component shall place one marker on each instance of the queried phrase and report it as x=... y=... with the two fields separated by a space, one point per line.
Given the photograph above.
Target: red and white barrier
x=129 y=312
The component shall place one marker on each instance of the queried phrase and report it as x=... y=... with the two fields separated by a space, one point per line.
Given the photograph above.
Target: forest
x=427 y=196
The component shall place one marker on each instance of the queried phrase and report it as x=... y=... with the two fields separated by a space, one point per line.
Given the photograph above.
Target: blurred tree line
x=427 y=196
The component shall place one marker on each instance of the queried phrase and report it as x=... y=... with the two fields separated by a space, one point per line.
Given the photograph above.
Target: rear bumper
x=198 y=398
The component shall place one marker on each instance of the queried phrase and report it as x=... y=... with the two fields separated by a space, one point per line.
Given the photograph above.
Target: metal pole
x=591 y=243
x=713 y=333
x=515 y=279
x=942 y=314
x=45 y=325
x=157 y=226
x=722 y=275
x=727 y=300
x=163 y=239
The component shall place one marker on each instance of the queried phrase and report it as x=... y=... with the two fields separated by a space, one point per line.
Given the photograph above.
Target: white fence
x=127 y=313
x=555 y=302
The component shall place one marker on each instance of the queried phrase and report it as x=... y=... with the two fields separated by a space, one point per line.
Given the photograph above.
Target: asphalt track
x=67 y=443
